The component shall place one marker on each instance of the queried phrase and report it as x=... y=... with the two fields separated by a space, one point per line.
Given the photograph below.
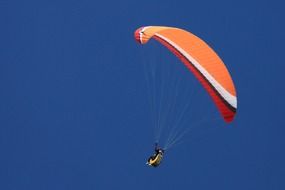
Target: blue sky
x=74 y=111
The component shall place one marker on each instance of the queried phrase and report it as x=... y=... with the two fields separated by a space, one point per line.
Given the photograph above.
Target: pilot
x=156 y=158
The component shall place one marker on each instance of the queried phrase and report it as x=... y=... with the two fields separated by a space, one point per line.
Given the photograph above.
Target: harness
x=155 y=159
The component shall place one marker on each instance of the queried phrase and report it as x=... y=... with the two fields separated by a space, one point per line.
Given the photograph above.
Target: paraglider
x=202 y=61
x=156 y=158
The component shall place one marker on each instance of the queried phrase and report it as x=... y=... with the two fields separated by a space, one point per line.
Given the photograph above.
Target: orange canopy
x=201 y=60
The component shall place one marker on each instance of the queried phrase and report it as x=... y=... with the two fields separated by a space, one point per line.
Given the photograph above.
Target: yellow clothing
x=155 y=160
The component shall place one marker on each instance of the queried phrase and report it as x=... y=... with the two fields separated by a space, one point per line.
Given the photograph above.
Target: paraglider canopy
x=201 y=60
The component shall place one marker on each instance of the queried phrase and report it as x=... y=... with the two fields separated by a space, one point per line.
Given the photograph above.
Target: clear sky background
x=73 y=106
